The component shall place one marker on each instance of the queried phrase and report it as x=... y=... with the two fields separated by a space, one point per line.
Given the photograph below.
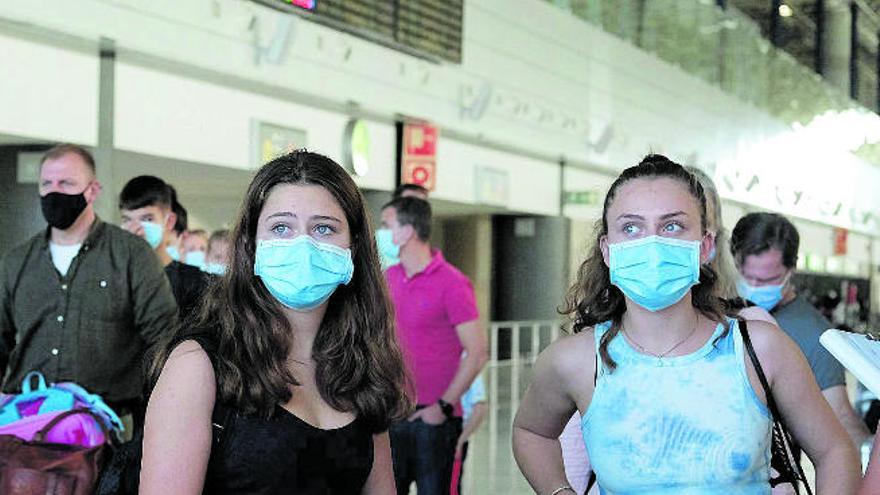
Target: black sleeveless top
x=283 y=454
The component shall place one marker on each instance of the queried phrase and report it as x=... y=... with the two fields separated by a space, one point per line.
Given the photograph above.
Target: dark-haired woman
x=670 y=401
x=290 y=375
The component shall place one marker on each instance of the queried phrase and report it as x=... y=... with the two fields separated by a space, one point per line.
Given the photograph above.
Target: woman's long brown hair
x=593 y=299
x=359 y=367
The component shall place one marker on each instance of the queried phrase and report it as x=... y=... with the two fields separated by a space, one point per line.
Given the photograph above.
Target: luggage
x=53 y=439
x=38 y=467
x=24 y=414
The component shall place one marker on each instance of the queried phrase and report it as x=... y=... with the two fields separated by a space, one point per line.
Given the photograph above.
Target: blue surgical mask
x=173 y=252
x=655 y=272
x=302 y=273
x=196 y=258
x=153 y=233
x=765 y=296
x=215 y=269
x=389 y=253
x=712 y=255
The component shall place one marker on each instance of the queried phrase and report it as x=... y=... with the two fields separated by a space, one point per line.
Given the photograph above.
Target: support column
x=819 y=54
x=775 y=24
x=836 y=42
x=854 y=51
x=105 y=206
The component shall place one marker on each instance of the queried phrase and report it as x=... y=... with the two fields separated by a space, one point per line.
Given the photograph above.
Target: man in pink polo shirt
x=437 y=319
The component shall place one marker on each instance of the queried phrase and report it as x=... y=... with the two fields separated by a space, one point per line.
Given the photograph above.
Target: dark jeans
x=425 y=454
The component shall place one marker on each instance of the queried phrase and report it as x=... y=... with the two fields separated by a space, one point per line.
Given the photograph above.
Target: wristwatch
x=447 y=408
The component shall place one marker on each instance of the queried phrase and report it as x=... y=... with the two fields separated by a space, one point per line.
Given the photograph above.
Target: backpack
x=53 y=439
x=24 y=415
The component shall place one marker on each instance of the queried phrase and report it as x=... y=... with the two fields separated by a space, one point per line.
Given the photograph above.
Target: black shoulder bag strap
x=783 y=447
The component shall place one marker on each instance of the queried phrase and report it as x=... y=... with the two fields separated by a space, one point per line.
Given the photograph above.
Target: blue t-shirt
x=805 y=324
x=474 y=395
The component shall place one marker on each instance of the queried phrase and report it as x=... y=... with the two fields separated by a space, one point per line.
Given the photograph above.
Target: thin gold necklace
x=664 y=354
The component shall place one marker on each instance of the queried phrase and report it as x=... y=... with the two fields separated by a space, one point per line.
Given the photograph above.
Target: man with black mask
x=83 y=300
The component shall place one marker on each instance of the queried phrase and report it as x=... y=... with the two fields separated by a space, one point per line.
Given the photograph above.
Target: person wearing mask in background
x=145 y=208
x=82 y=301
x=765 y=248
x=296 y=344
x=437 y=319
x=671 y=404
x=195 y=247
x=217 y=257
x=389 y=253
x=574 y=453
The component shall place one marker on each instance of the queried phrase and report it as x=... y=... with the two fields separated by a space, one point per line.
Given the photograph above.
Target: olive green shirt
x=91 y=326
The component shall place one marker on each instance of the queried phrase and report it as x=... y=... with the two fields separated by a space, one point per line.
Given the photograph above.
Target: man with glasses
x=765 y=248
x=82 y=300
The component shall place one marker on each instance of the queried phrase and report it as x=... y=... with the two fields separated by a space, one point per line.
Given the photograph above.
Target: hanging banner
x=418 y=158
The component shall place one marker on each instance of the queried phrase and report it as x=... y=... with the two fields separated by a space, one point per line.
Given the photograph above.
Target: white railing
x=514 y=347
x=540 y=333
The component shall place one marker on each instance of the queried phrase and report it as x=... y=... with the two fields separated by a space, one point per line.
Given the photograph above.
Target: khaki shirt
x=92 y=326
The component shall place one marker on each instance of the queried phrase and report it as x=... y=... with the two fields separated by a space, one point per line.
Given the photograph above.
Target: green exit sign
x=589 y=198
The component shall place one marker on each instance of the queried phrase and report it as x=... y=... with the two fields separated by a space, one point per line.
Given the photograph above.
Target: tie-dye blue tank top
x=686 y=425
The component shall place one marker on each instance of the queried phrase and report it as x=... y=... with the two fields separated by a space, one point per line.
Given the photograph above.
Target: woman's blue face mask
x=302 y=273
x=655 y=272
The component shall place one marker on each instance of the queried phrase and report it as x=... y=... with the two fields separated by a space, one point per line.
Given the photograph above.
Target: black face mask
x=61 y=210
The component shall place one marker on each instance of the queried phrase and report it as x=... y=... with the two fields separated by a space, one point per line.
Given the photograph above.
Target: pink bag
x=76 y=429
x=24 y=415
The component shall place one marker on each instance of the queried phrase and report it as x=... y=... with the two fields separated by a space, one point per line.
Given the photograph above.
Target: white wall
x=48 y=93
x=163 y=114
x=533 y=184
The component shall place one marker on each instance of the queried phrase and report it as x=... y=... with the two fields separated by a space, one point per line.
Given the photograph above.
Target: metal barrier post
x=536 y=341
x=514 y=368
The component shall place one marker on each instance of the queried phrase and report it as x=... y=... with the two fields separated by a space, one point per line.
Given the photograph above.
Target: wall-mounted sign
x=431 y=28
x=357 y=148
x=816 y=263
x=28 y=167
x=418 y=155
x=269 y=141
x=524 y=227
x=303 y=4
x=840 y=236
x=492 y=186
x=588 y=198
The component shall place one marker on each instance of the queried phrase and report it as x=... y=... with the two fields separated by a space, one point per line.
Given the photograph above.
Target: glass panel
x=730 y=49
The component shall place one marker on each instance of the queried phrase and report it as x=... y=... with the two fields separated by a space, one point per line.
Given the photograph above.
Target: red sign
x=305 y=4
x=419 y=155
x=840 y=236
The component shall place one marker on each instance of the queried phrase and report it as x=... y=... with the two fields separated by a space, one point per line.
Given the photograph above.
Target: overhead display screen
x=427 y=28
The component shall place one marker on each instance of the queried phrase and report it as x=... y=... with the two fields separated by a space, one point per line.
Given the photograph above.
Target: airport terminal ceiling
x=799 y=20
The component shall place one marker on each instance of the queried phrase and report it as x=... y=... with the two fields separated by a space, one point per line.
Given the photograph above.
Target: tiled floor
x=490 y=467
